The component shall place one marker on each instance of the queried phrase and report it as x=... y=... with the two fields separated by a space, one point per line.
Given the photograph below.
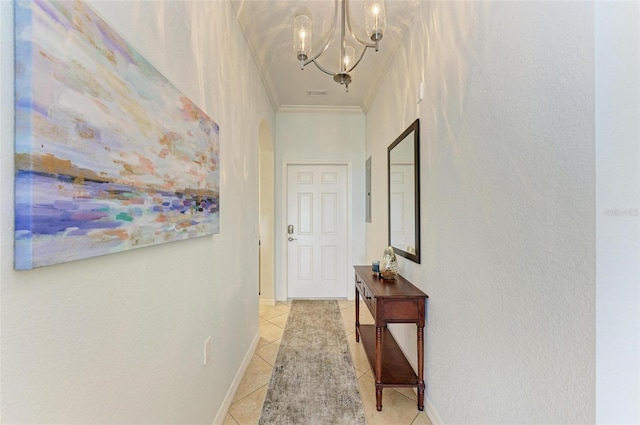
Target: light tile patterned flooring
x=398 y=405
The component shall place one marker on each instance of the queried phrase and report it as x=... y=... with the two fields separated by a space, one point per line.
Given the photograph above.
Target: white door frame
x=283 y=220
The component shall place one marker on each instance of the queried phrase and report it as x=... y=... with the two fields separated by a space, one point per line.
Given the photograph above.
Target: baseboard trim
x=267 y=301
x=431 y=413
x=226 y=403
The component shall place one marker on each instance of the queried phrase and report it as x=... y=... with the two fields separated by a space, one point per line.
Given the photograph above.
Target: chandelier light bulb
x=349 y=58
x=375 y=20
x=302 y=38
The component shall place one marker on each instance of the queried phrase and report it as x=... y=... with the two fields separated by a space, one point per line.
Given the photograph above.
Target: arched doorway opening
x=267 y=214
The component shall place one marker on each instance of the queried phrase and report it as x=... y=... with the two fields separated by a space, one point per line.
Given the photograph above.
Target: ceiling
x=268 y=27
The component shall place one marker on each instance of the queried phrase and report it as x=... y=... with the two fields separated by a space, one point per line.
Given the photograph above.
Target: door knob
x=292 y=239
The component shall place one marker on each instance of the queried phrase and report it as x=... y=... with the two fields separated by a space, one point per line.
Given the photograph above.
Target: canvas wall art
x=109 y=155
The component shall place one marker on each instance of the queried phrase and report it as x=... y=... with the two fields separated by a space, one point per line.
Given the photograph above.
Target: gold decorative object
x=389 y=264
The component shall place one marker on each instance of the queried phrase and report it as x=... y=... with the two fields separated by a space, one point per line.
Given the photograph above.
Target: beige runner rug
x=313 y=380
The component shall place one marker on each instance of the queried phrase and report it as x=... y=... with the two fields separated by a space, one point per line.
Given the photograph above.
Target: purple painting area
x=110 y=156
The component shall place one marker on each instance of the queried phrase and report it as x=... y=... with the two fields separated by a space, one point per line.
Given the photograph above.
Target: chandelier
x=375 y=24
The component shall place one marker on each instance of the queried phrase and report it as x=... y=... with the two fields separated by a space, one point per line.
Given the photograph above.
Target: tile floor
x=399 y=405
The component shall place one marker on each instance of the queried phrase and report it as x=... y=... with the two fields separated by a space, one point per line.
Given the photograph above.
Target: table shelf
x=396 y=369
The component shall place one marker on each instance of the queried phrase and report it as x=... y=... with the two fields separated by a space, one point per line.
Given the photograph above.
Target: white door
x=316 y=231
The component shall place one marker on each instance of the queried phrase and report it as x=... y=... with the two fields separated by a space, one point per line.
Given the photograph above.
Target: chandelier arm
x=360 y=58
x=326 y=46
x=353 y=35
x=321 y=68
x=360 y=42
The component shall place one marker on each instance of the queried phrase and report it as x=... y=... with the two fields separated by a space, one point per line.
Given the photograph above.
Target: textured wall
x=119 y=338
x=508 y=196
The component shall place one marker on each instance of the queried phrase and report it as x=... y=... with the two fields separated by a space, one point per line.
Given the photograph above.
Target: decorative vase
x=388 y=265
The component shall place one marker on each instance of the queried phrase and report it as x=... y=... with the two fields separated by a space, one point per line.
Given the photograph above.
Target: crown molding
x=314 y=109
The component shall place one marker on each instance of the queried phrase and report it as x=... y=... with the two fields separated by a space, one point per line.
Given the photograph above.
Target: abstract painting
x=109 y=155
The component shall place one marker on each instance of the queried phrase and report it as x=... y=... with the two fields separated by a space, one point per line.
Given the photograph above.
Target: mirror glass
x=404 y=193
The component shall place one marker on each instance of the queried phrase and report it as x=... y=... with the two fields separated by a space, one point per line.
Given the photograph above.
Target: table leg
x=421 y=385
x=378 y=368
x=357 y=314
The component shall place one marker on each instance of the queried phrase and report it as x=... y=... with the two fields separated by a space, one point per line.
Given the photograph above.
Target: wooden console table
x=390 y=301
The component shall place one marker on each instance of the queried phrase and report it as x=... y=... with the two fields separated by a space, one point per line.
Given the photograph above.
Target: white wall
x=119 y=338
x=507 y=206
x=321 y=136
x=617 y=212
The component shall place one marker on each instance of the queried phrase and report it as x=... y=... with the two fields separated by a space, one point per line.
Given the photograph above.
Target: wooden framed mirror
x=403 y=174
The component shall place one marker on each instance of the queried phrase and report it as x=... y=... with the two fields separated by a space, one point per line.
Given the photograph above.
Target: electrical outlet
x=207 y=350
